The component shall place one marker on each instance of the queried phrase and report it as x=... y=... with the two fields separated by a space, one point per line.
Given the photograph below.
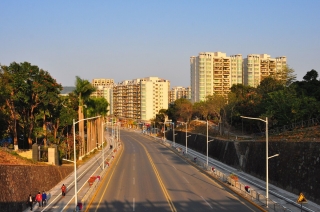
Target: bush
x=234 y=177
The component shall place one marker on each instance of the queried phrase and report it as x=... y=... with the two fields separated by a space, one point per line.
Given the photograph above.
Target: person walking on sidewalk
x=63 y=190
x=44 y=198
x=30 y=201
x=39 y=198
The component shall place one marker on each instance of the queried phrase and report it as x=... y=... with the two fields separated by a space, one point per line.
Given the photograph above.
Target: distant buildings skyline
x=210 y=73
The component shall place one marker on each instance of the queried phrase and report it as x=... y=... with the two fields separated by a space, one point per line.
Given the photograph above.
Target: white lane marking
x=206 y=201
x=134 y=181
x=174 y=167
x=133 y=204
x=185 y=179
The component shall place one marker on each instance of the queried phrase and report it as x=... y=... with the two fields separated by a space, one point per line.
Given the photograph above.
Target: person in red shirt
x=63 y=190
x=39 y=198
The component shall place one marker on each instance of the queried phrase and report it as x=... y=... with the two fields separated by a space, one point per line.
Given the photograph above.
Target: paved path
x=56 y=202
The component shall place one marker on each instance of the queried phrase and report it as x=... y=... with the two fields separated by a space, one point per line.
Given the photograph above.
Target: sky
x=125 y=40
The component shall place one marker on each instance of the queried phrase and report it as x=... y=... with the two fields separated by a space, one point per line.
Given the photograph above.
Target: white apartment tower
x=259 y=66
x=236 y=69
x=179 y=92
x=140 y=99
x=210 y=73
x=104 y=89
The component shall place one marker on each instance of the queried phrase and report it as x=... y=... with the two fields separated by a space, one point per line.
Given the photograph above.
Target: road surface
x=147 y=176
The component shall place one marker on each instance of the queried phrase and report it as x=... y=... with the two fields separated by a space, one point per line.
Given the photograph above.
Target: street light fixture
x=174 y=135
x=103 y=142
x=267 y=156
x=187 y=137
x=208 y=142
x=75 y=158
x=164 y=128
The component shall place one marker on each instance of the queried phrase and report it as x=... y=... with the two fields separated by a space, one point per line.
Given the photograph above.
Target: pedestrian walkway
x=56 y=202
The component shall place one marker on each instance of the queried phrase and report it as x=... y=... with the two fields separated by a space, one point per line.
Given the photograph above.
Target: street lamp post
x=75 y=158
x=102 y=132
x=187 y=137
x=267 y=156
x=174 y=135
x=164 y=130
x=207 y=142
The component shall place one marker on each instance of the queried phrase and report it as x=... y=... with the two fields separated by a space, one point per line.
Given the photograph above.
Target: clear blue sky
x=125 y=40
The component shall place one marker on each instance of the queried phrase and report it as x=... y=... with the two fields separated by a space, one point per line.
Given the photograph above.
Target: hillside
x=8 y=157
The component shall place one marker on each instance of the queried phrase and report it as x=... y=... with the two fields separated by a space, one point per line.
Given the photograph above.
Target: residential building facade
x=210 y=73
x=104 y=89
x=259 y=66
x=140 y=99
x=179 y=92
x=215 y=72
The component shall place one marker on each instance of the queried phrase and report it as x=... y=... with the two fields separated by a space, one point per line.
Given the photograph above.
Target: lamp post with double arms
x=75 y=157
x=267 y=156
x=102 y=130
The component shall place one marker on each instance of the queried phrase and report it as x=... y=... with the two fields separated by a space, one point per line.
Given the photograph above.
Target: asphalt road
x=149 y=177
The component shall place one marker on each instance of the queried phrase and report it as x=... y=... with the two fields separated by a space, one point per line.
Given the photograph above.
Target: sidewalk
x=55 y=202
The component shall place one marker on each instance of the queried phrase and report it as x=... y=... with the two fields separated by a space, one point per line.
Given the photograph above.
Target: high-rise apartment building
x=179 y=92
x=215 y=73
x=210 y=73
x=236 y=69
x=140 y=99
x=104 y=89
x=259 y=66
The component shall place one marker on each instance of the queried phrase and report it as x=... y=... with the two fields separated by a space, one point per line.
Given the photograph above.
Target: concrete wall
x=296 y=170
x=18 y=181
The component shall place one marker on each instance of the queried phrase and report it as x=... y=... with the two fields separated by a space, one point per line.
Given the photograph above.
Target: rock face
x=21 y=177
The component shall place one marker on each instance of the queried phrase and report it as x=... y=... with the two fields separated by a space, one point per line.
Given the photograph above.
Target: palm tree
x=83 y=90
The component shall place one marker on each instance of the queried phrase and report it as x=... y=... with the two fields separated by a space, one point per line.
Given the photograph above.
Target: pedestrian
x=39 y=198
x=213 y=170
x=44 y=198
x=247 y=188
x=63 y=190
x=30 y=201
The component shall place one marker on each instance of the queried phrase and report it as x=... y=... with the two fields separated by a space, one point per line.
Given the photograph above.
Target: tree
x=4 y=112
x=183 y=109
x=95 y=107
x=309 y=86
x=286 y=76
x=286 y=107
x=27 y=89
x=246 y=102
x=83 y=91
x=201 y=108
x=269 y=84
x=216 y=105
x=311 y=75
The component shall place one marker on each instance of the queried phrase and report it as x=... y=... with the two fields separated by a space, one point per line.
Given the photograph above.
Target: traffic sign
x=301 y=199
